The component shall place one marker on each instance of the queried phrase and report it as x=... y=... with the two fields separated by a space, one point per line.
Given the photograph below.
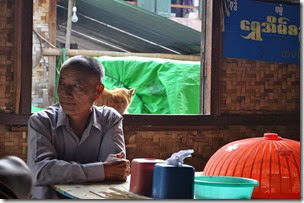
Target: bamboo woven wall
x=246 y=87
x=7 y=30
x=13 y=142
x=161 y=144
x=205 y=142
x=249 y=86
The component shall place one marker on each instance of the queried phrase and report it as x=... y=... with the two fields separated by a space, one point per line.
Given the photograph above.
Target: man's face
x=77 y=90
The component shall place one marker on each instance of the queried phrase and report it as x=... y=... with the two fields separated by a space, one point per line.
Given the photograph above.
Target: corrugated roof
x=90 y=34
x=141 y=23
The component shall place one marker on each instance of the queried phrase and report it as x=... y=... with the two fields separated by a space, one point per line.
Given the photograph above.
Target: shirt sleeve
x=113 y=141
x=43 y=160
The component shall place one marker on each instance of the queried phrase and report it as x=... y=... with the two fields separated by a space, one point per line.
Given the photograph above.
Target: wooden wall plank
x=171 y=122
x=52 y=59
x=207 y=59
x=17 y=56
x=26 y=58
x=216 y=57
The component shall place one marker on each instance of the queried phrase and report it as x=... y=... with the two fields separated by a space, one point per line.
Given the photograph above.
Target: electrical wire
x=40 y=38
x=41 y=50
x=45 y=39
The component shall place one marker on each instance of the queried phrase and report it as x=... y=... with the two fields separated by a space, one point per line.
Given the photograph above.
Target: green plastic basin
x=223 y=187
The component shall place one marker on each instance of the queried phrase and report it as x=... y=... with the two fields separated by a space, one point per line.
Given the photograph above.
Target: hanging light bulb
x=74 y=16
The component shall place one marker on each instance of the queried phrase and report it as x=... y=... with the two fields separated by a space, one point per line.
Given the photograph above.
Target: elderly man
x=75 y=141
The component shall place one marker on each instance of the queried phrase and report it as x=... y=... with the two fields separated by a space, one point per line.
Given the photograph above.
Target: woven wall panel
x=13 y=143
x=6 y=55
x=161 y=144
x=249 y=86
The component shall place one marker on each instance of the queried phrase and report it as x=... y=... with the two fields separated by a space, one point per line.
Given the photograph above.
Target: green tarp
x=35 y=109
x=162 y=86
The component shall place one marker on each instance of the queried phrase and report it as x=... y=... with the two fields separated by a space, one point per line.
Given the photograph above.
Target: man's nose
x=68 y=90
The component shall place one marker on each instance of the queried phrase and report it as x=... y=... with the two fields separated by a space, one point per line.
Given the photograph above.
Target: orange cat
x=119 y=99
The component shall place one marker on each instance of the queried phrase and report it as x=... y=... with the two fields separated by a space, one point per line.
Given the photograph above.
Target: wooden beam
x=172 y=5
x=199 y=121
x=183 y=122
x=216 y=57
x=17 y=57
x=207 y=39
x=26 y=57
x=184 y=6
x=13 y=119
x=132 y=2
x=69 y=25
x=74 y=52
x=52 y=59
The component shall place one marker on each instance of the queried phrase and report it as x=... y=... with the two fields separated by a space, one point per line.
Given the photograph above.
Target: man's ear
x=99 y=90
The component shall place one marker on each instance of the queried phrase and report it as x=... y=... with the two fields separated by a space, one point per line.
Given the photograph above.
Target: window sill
x=180 y=122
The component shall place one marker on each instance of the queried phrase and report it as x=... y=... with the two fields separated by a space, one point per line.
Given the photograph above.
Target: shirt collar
x=63 y=119
x=94 y=118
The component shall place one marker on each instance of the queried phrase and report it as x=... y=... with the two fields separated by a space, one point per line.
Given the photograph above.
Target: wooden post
x=74 y=52
x=52 y=59
x=69 y=25
x=17 y=58
x=207 y=6
x=26 y=57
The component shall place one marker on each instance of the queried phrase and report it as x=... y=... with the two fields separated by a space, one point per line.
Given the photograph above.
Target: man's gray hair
x=86 y=63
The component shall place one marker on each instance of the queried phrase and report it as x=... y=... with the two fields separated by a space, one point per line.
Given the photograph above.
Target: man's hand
x=113 y=157
x=116 y=167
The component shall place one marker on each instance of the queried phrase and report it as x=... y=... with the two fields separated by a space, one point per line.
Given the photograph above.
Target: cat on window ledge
x=119 y=99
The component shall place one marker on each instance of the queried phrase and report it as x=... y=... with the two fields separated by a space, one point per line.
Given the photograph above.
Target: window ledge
x=161 y=122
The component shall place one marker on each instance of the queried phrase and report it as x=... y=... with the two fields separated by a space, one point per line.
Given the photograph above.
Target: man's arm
x=113 y=153
x=44 y=163
x=113 y=141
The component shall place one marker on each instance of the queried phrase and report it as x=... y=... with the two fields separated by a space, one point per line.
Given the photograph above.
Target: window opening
x=191 y=12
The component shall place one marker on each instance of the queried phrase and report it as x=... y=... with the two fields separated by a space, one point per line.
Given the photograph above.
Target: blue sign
x=263 y=31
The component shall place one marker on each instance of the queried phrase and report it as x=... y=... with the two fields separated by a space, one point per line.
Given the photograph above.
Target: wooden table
x=100 y=190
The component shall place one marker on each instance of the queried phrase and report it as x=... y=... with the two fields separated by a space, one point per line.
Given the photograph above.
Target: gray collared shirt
x=57 y=156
